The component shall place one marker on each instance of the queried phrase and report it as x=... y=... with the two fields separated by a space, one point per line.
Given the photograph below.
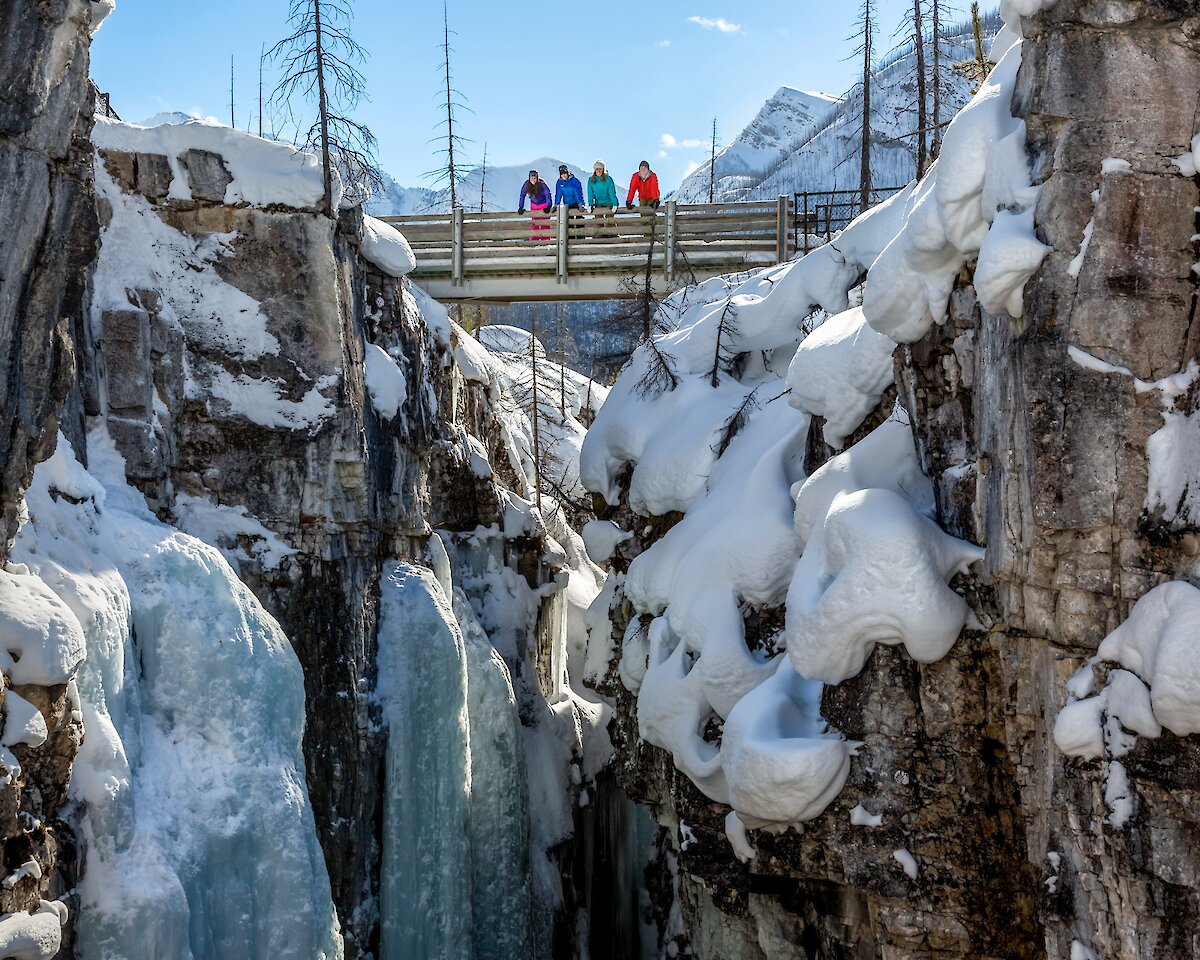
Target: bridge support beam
x=563 y=249
x=456 y=260
x=669 y=250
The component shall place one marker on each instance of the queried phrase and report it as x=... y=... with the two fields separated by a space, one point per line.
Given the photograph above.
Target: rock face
x=48 y=225
x=1039 y=454
x=48 y=222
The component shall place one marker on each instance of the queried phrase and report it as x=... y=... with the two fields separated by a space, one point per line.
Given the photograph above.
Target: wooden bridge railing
x=681 y=242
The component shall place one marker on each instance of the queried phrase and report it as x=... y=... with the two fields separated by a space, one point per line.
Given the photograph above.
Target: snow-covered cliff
x=802 y=141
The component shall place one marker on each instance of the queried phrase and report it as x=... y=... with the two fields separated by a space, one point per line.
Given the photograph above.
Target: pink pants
x=540 y=230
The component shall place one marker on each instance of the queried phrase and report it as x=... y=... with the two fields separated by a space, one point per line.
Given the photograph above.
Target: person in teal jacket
x=602 y=197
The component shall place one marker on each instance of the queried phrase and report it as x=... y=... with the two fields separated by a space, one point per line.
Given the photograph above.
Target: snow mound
x=385 y=382
x=386 y=247
x=265 y=172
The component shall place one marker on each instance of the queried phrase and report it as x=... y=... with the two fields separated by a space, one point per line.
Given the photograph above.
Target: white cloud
x=691 y=168
x=662 y=155
x=669 y=142
x=663 y=43
x=720 y=23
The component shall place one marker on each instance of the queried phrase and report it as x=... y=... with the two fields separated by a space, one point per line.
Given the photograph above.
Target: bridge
x=568 y=255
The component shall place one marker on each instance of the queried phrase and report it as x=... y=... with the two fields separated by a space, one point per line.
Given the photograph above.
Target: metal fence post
x=456 y=257
x=562 y=242
x=669 y=252
x=781 y=231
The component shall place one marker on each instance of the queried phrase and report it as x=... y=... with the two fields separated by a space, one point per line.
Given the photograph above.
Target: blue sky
x=570 y=81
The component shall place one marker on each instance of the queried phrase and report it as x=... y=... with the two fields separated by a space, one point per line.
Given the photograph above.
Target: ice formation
x=191 y=776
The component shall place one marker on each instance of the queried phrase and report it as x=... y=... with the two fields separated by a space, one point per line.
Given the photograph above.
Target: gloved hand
x=654 y=204
x=628 y=204
x=521 y=212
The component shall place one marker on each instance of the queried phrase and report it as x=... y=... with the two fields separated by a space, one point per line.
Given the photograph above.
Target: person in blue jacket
x=568 y=190
x=602 y=197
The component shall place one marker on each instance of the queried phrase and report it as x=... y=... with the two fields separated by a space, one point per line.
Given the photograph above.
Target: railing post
x=804 y=222
x=781 y=231
x=669 y=250
x=562 y=243
x=456 y=231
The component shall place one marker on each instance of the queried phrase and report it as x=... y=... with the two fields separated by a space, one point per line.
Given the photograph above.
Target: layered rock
x=48 y=222
x=1035 y=433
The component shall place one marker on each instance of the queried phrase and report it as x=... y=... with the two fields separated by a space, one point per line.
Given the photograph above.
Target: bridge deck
x=505 y=257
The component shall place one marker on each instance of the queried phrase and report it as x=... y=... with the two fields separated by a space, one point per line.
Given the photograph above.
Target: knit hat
x=563 y=168
x=599 y=163
x=644 y=163
x=533 y=173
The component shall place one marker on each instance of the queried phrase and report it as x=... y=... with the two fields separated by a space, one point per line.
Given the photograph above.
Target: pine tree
x=319 y=58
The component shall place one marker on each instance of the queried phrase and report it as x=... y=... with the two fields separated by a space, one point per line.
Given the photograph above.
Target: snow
x=954 y=217
x=260 y=400
x=23 y=722
x=1081 y=952
x=101 y=10
x=240 y=537
x=735 y=830
x=36 y=936
x=384 y=246
x=1157 y=644
x=840 y=371
x=139 y=251
x=873 y=543
x=1157 y=685
x=860 y=816
x=265 y=172
x=601 y=539
x=29 y=868
x=385 y=382
x=191 y=775
x=1118 y=796
x=43 y=639
x=907 y=861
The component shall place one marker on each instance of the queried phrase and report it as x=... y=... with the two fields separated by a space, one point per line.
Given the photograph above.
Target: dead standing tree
x=918 y=34
x=866 y=49
x=319 y=58
x=712 y=165
x=451 y=101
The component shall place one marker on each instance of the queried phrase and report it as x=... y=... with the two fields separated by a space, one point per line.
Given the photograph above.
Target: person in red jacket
x=645 y=186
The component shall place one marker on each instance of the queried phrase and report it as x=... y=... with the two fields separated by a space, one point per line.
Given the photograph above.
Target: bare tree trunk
x=537 y=443
x=483 y=180
x=919 y=35
x=232 y=118
x=712 y=165
x=261 y=56
x=323 y=108
x=648 y=290
x=935 y=146
x=864 y=176
x=562 y=362
x=977 y=32
x=450 y=112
